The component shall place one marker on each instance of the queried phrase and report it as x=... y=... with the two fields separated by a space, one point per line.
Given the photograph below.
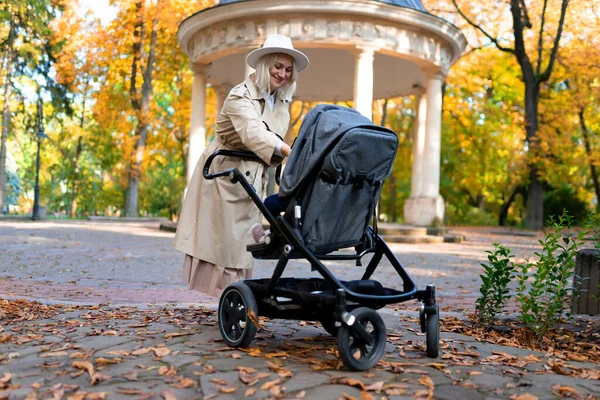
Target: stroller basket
x=332 y=183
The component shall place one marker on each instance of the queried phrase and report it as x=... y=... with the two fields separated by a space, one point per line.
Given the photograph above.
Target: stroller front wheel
x=238 y=315
x=354 y=351
x=432 y=334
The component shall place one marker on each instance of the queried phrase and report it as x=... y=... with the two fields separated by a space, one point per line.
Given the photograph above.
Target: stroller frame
x=338 y=305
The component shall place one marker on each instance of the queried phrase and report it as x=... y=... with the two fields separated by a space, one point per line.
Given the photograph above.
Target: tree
x=536 y=64
x=29 y=52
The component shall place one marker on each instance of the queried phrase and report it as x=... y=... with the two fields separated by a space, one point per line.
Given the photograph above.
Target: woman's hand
x=286 y=150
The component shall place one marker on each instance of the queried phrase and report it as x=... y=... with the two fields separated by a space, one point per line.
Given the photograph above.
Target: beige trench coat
x=217 y=215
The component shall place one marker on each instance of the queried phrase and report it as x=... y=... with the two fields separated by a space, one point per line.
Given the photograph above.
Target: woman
x=217 y=216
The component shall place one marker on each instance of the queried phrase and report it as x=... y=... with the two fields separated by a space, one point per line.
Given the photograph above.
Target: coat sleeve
x=254 y=134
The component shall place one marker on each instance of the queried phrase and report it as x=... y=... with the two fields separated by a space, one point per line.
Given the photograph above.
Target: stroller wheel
x=238 y=315
x=354 y=351
x=432 y=334
x=329 y=326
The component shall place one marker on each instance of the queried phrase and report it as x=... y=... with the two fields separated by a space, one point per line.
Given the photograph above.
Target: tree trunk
x=6 y=111
x=76 y=178
x=77 y=158
x=503 y=217
x=588 y=152
x=535 y=193
x=135 y=171
x=535 y=200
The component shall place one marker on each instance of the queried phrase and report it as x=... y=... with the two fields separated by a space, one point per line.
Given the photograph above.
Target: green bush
x=494 y=288
x=543 y=302
x=564 y=198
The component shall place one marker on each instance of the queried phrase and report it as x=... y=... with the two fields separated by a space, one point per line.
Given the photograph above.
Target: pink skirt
x=209 y=278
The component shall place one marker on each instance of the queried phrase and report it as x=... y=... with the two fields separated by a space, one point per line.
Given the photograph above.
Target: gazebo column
x=363 y=81
x=221 y=93
x=197 y=141
x=425 y=207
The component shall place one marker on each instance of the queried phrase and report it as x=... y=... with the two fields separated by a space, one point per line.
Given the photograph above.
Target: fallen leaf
x=525 y=396
x=184 y=383
x=249 y=392
x=349 y=382
x=252 y=317
x=98 y=378
x=366 y=396
x=130 y=391
x=270 y=384
x=141 y=351
x=224 y=389
x=161 y=351
x=427 y=382
x=168 y=395
x=106 y=361
x=246 y=369
x=6 y=338
x=375 y=387
x=54 y=354
x=172 y=335
x=84 y=365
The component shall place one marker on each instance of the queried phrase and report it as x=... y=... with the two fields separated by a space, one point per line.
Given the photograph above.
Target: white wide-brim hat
x=278 y=44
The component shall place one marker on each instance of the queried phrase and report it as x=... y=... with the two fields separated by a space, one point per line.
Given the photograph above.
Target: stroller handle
x=225 y=153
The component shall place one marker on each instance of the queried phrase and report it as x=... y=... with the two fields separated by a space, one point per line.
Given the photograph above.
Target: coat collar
x=255 y=92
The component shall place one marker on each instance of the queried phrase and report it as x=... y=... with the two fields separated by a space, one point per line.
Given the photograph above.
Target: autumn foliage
x=117 y=105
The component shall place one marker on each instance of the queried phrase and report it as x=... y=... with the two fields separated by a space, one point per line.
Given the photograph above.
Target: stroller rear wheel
x=238 y=315
x=355 y=352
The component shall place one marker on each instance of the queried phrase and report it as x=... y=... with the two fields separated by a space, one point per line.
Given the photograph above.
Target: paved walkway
x=136 y=264
x=163 y=342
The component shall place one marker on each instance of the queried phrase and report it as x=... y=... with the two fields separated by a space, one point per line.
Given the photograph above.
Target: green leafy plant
x=544 y=301
x=494 y=288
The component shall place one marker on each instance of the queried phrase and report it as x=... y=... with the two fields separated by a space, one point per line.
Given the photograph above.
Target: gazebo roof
x=414 y=4
x=406 y=41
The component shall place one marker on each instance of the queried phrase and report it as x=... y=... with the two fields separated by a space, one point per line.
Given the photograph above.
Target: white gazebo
x=359 y=50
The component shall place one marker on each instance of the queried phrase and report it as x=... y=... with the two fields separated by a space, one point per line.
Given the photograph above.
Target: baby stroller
x=332 y=181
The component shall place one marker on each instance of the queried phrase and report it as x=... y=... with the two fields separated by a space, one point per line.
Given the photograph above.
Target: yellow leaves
x=5 y=380
x=159 y=351
x=226 y=389
x=87 y=366
x=168 y=371
x=184 y=383
x=5 y=338
x=525 y=396
x=270 y=384
x=253 y=318
x=54 y=354
x=106 y=361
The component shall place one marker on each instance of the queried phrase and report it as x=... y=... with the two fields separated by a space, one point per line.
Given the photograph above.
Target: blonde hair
x=262 y=77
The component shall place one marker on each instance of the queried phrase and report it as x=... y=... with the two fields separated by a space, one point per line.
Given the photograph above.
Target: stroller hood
x=321 y=129
x=335 y=174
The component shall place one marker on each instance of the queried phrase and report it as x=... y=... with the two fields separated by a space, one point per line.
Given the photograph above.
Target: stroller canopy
x=321 y=128
x=335 y=173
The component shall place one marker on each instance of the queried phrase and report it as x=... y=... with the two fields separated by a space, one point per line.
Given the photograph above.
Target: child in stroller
x=331 y=184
